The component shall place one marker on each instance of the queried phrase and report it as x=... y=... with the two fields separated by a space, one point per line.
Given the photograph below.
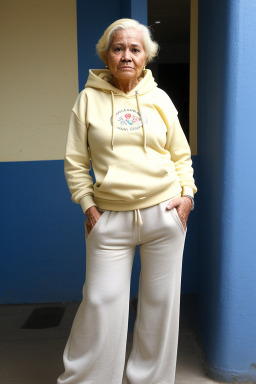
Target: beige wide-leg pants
x=95 y=351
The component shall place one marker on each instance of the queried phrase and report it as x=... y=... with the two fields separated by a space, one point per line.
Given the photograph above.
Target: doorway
x=174 y=25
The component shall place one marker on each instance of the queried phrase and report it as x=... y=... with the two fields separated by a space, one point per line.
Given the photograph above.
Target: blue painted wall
x=42 y=238
x=227 y=136
x=42 y=232
x=93 y=17
x=135 y=9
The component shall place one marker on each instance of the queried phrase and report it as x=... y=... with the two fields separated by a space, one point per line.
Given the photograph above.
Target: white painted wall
x=38 y=77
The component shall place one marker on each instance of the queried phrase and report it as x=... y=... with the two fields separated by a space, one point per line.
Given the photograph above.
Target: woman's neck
x=124 y=85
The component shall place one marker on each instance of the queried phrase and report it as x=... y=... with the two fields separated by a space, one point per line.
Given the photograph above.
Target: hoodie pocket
x=135 y=180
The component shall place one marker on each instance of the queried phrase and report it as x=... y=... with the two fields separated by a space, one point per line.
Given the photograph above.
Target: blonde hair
x=150 y=46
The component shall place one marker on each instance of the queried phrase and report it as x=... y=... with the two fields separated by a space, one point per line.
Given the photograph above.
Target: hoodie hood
x=100 y=79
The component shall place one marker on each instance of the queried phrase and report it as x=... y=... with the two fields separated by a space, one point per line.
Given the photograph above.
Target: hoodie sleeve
x=181 y=156
x=77 y=158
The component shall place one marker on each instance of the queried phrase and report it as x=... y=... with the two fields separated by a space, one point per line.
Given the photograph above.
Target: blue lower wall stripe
x=42 y=246
x=42 y=237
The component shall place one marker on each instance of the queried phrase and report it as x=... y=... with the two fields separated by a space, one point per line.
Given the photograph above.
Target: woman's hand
x=93 y=216
x=183 y=206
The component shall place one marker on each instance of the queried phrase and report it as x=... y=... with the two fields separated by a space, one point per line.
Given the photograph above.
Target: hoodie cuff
x=87 y=202
x=187 y=191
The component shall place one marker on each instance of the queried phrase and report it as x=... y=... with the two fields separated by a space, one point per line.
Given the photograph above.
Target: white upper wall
x=38 y=77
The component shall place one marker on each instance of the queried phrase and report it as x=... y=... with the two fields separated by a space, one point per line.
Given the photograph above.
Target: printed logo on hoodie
x=128 y=119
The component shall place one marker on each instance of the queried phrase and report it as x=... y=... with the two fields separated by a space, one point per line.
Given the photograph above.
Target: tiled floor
x=30 y=356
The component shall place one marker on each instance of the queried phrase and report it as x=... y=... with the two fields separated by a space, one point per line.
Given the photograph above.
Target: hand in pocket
x=93 y=216
x=183 y=206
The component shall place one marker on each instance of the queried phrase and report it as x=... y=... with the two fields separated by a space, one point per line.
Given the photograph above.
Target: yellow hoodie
x=139 y=153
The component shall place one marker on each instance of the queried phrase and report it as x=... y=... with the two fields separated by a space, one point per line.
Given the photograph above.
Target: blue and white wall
x=39 y=82
x=48 y=48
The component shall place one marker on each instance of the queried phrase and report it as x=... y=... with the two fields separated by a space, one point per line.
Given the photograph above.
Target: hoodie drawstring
x=141 y=118
x=138 y=222
x=142 y=122
x=113 y=119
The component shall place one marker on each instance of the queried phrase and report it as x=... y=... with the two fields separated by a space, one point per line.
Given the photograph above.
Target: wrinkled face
x=126 y=55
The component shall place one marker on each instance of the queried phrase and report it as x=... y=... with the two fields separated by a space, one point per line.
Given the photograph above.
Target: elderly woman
x=143 y=195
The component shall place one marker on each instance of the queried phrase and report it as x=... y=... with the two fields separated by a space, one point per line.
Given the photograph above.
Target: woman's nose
x=126 y=56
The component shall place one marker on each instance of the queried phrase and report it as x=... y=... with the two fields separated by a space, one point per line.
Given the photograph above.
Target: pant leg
x=95 y=351
x=154 y=352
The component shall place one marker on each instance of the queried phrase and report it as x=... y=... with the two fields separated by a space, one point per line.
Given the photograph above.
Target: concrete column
x=226 y=148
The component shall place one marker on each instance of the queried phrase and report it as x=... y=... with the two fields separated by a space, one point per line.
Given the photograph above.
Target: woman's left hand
x=183 y=206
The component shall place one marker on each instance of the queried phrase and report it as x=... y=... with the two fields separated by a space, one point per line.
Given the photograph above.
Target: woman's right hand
x=93 y=216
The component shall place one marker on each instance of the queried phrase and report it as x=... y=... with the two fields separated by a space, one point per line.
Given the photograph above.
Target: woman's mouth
x=126 y=67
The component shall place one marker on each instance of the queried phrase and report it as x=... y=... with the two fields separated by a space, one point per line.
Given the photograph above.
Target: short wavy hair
x=151 y=47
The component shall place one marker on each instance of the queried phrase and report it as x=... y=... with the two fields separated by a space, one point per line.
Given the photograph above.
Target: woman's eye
x=117 y=49
x=135 y=50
